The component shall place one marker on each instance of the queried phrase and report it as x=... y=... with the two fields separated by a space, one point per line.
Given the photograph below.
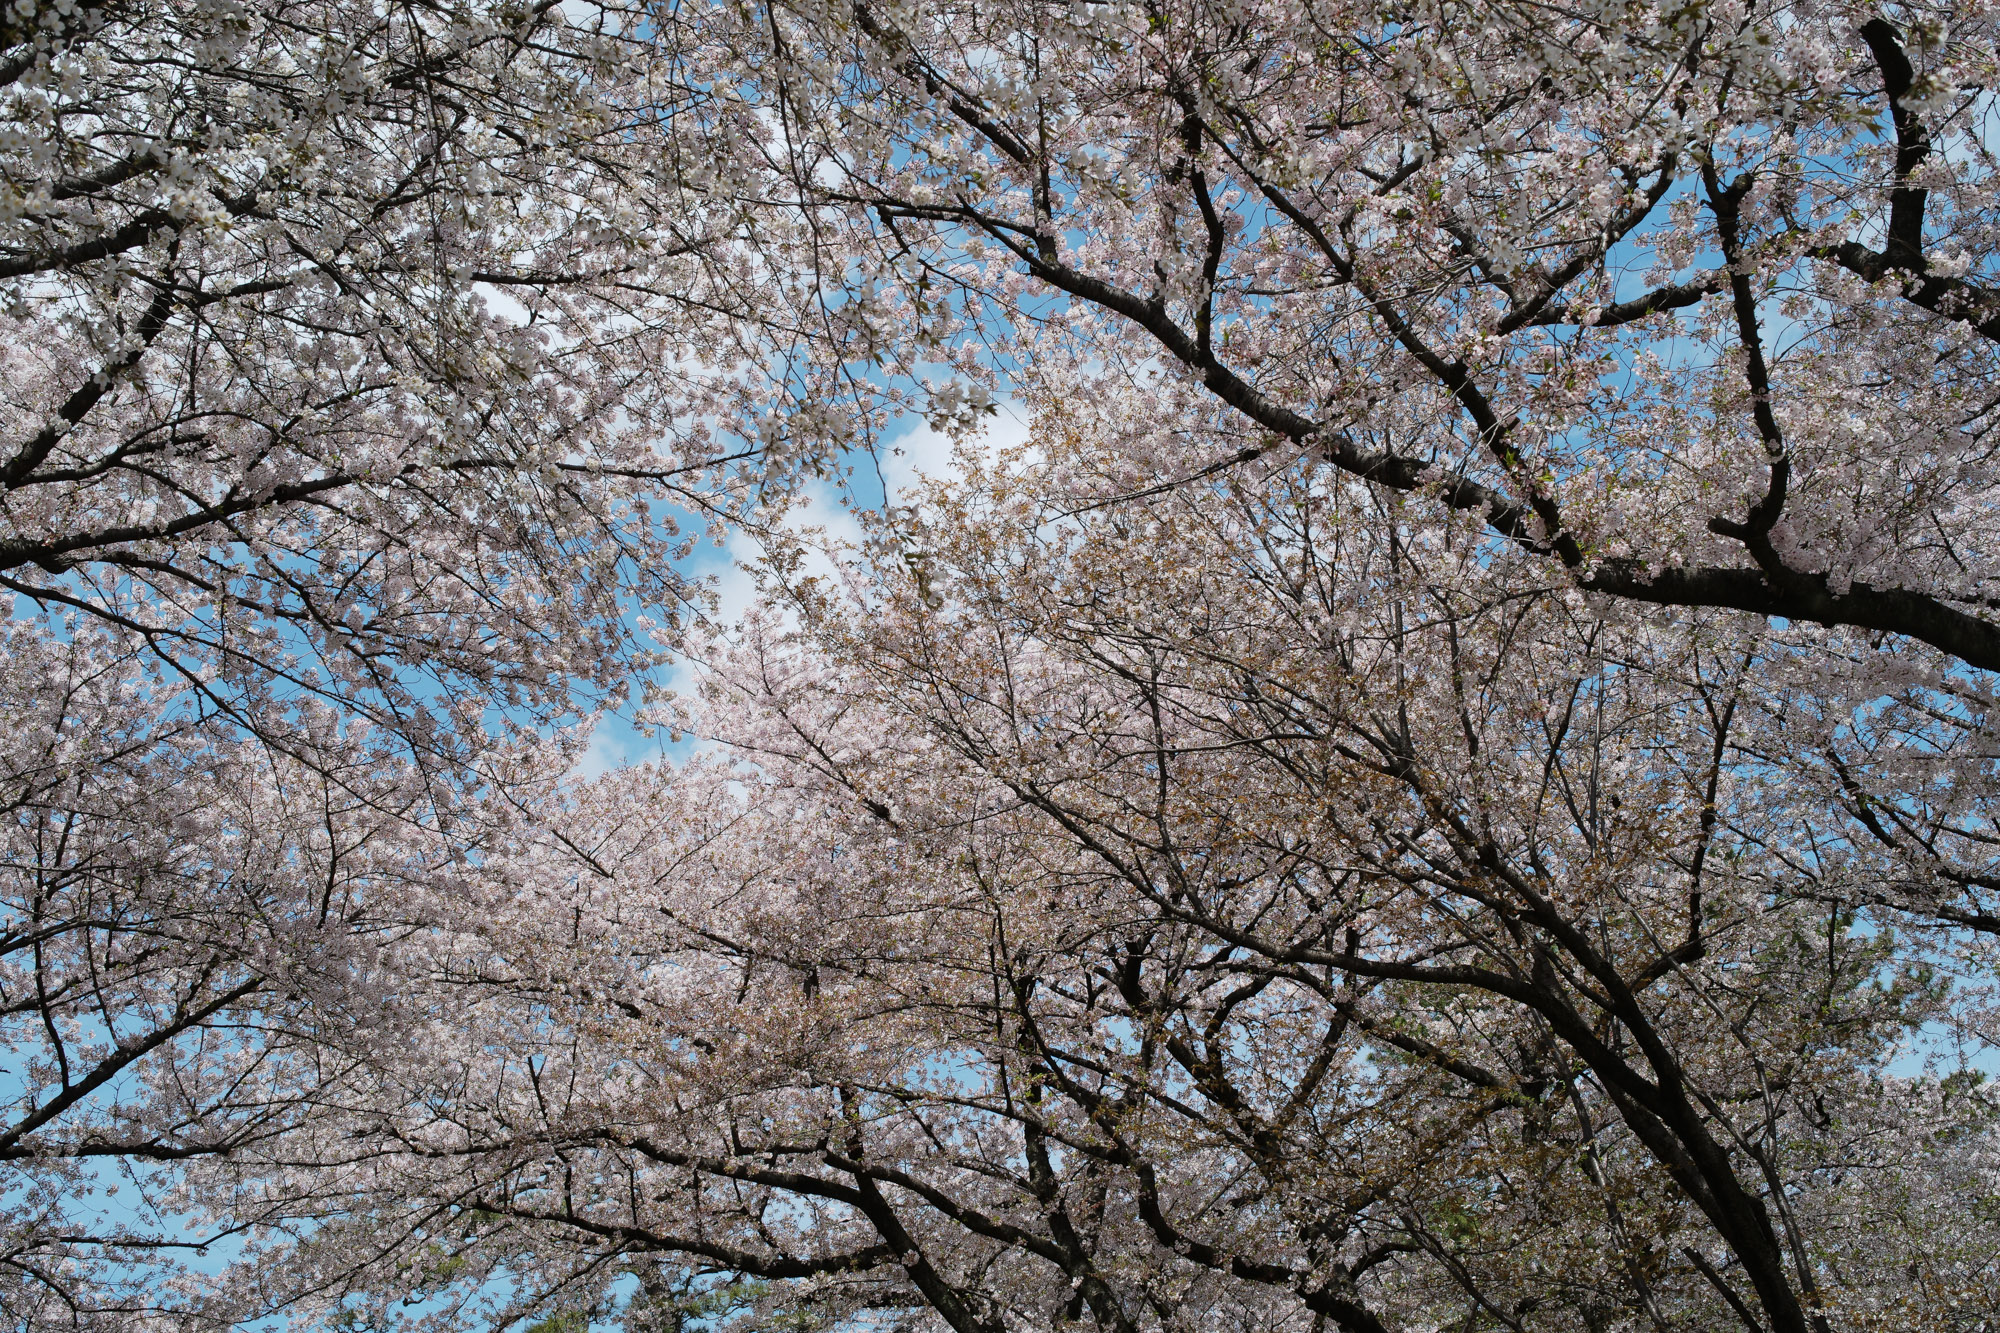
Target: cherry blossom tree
x=1239 y=907
x=184 y=910
x=367 y=369
x=1696 y=302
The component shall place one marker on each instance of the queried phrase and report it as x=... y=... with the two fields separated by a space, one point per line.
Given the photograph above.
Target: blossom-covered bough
x=1446 y=249
x=1449 y=785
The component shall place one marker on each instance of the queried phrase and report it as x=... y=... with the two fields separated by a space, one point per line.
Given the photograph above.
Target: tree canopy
x=1449 y=782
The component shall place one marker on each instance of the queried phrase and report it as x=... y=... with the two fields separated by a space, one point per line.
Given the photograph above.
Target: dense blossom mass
x=1449 y=783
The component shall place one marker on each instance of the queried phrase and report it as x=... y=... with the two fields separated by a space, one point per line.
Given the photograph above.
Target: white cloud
x=923 y=452
x=604 y=754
